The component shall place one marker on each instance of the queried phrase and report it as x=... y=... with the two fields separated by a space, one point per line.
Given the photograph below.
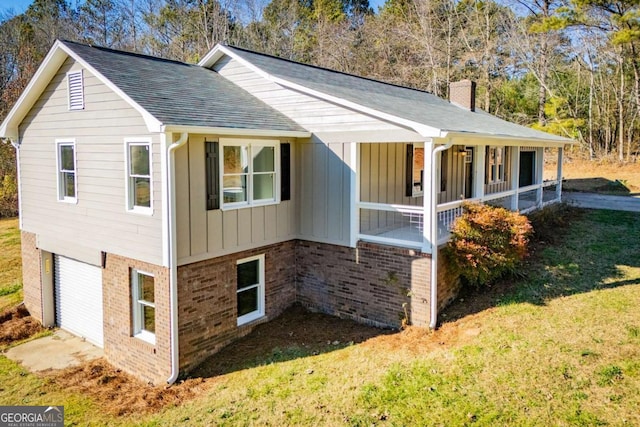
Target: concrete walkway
x=58 y=351
x=602 y=201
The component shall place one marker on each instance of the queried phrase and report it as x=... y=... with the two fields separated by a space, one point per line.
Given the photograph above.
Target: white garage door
x=79 y=299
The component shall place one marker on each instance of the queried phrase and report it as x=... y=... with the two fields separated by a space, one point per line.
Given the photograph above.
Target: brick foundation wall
x=31 y=277
x=369 y=284
x=207 y=300
x=149 y=362
x=448 y=283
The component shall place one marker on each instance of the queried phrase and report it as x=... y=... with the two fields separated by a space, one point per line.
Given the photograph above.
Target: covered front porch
x=393 y=201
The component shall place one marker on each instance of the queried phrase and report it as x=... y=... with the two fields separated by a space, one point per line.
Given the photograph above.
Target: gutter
x=173 y=256
x=434 y=237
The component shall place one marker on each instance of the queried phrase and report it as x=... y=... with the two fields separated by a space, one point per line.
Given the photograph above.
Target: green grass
x=562 y=349
x=10 y=264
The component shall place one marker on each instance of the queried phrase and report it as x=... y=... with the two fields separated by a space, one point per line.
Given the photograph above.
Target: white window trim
x=250 y=317
x=70 y=74
x=61 y=197
x=137 y=304
x=277 y=173
x=129 y=204
x=499 y=178
x=414 y=192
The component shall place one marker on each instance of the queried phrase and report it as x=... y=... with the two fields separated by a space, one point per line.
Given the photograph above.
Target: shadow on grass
x=597 y=185
x=295 y=334
x=590 y=253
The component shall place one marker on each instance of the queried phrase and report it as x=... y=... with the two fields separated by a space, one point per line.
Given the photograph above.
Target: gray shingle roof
x=410 y=104
x=182 y=94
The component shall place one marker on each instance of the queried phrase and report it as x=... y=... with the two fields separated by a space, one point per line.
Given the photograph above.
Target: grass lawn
x=561 y=348
x=10 y=264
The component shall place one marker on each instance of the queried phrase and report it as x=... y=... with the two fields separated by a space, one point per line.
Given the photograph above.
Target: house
x=167 y=208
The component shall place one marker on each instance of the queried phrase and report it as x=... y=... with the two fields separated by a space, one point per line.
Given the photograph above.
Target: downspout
x=434 y=236
x=173 y=256
x=16 y=145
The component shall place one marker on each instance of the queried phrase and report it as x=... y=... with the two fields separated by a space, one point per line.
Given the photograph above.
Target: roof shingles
x=182 y=94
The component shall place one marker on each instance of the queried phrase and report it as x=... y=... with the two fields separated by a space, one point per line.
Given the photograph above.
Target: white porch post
x=539 y=175
x=515 y=176
x=559 y=173
x=479 y=171
x=354 y=165
x=427 y=188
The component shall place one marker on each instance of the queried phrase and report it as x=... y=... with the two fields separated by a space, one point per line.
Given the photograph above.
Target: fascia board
x=506 y=140
x=235 y=131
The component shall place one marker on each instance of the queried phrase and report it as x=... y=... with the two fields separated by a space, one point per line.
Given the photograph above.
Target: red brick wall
x=207 y=299
x=31 y=278
x=146 y=361
x=369 y=283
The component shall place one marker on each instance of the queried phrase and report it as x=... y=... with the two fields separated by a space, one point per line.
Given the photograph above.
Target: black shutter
x=285 y=171
x=409 y=172
x=487 y=167
x=212 y=171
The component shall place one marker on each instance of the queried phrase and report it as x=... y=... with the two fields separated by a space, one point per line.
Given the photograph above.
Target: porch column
x=539 y=175
x=428 y=186
x=515 y=176
x=354 y=165
x=479 y=171
x=559 y=173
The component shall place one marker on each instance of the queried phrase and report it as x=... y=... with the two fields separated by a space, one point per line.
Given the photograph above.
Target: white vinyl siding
x=67 y=176
x=75 y=85
x=78 y=299
x=98 y=221
x=250 y=289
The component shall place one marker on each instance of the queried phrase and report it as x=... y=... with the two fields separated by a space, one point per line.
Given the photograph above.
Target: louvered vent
x=76 y=90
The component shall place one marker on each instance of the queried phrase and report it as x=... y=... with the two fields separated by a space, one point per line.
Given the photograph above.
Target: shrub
x=487 y=242
x=552 y=221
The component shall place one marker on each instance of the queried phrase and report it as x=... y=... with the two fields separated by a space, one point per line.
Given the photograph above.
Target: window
x=495 y=159
x=139 y=189
x=250 y=289
x=66 y=159
x=415 y=170
x=144 y=307
x=75 y=88
x=238 y=181
x=249 y=173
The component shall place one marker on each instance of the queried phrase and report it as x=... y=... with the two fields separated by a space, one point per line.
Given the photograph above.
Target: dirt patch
x=296 y=333
x=119 y=393
x=17 y=324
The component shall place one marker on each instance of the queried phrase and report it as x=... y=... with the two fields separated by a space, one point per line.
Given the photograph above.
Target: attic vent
x=76 y=90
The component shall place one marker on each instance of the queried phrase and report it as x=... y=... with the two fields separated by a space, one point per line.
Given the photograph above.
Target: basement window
x=250 y=289
x=75 y=85
x=144 y=306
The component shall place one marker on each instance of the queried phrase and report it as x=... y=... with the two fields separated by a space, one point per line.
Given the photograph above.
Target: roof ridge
x=317 y=67
x=124 y=52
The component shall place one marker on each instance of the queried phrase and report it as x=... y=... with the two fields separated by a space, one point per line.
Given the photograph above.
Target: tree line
x=569 y=67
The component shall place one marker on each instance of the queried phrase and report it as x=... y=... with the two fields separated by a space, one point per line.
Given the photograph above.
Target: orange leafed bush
x=487 y=242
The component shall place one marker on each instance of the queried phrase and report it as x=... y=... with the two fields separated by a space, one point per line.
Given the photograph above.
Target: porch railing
x=402 y=225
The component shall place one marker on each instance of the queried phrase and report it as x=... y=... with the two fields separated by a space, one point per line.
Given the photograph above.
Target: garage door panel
x=78 y=295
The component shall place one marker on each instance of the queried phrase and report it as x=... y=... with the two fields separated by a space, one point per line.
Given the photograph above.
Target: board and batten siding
x=455 y=175
x=324 y=191
x=99 y=221
x=202 y=233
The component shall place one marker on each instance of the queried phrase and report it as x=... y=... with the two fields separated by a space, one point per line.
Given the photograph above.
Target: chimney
x=463 y=94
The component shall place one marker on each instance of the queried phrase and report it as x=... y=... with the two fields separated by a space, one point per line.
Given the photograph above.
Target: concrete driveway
x=58 y=351
x=602 y=201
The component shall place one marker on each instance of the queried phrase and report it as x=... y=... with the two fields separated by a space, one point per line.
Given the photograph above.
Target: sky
x=20 y=6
